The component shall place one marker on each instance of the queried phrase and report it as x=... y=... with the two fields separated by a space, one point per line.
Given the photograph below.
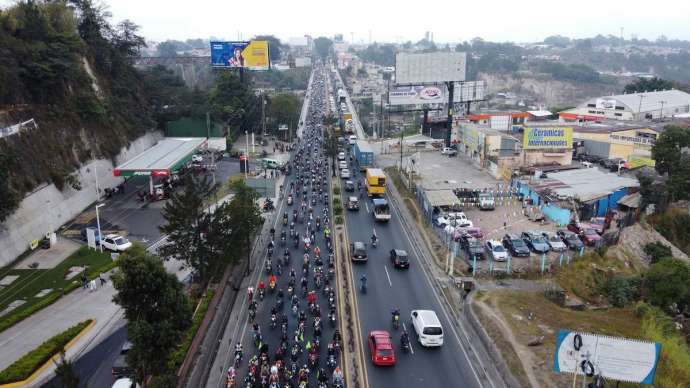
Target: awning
x=441 y=198
x=631 y=200
x=162 y=159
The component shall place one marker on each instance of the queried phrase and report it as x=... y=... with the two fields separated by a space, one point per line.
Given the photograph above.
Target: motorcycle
x=405 y=343
x=274 y=321
x=396 y=321
x=331 y=362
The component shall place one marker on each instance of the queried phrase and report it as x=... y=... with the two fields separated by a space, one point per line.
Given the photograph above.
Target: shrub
x=338 y=210
x=181 y=352
x=668 y=282
x=336 y=202
x=30 y=362
x=339 y=220
x=620 y=290
x=657 y=251
x=336 y=190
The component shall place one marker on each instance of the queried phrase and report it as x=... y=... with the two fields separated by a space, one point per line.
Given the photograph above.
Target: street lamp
x=98 y=224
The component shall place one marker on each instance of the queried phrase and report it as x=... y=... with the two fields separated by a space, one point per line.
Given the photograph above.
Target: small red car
x=381 y=348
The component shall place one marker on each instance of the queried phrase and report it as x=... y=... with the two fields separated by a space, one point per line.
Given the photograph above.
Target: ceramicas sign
x=548 y=138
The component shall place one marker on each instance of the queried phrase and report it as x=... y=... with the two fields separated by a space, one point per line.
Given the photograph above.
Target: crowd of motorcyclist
x=295 y=311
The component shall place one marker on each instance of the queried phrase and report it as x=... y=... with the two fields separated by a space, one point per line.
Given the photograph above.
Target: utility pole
x=661 y=112
x=451 y=89
x=639 y=107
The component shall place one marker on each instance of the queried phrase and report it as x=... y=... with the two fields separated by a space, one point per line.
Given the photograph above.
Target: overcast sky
x=450 y=20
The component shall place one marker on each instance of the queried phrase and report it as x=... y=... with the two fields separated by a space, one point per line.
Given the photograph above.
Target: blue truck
x=363 y=154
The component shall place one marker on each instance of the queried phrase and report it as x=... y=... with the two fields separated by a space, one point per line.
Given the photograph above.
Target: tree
x=672 y=159
x=647 y=85
x=668 y=282
x=245 y=216
x=235 y=102
x=8 y=197
x=283 y=109
x=331 y=148
x=275 y=46
x=64 y=370
x=166 y=49
x=186 y=225
x=156 y=308
x=657 y=251
x=557 y=40
x=323 y=47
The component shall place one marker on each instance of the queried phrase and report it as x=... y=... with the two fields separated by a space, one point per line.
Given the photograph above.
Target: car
x=352 y=203
x=427 y=327
x=359 y=251
x=341 y=156
x=474 y=249
x=449 y=151
x=556 y=244
x=473 y=231
x=124 y=382
x=120 y=367
x=342 y=164
x=349 y=186
x=570 y=239
x=345 y=173
x=115 y=242
x=600 y=224
x=381 y=348
x=496 y=250
x=457 y=219
x=535 y=241
x=516 y=245
x=590 y=237
x=352 y=139
x=399 y=258
x=197 y=158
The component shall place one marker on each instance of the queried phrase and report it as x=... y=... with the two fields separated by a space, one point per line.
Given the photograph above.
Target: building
x=499 y=152
x=634 y=106
x=546 y=144
x=632 y=142
x=590 y=192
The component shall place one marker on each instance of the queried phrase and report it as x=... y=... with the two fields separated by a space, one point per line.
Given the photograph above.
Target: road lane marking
x=408 y=341
x=387 y=275
x=366 y=206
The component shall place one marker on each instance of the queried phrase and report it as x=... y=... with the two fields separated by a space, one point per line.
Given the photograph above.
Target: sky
x=402 y=20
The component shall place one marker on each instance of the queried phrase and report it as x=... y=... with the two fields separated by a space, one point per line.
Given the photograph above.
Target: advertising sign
x=418 y=94
x=613 y=358
x=469 y=91
x=606 y=103
x=547 y=138
x=424 y=68
x=252 y=55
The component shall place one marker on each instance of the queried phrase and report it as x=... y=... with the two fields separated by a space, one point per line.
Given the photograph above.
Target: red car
x=590 y=236
x=381 y=348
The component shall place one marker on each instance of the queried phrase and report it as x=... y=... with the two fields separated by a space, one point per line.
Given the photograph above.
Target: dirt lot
x=512 y=318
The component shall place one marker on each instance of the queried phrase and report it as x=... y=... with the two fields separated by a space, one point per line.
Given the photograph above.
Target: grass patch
x=32 y=281
x=178 y=356
x=30 y=362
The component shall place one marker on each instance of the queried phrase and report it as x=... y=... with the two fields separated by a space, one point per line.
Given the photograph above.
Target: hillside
x=71 y=71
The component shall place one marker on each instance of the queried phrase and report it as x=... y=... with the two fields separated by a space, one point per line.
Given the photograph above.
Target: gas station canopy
x=162 y=159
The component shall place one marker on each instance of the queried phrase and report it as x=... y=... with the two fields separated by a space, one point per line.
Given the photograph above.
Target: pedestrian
x=92 y=285
x=84 y=280
x=100 y=277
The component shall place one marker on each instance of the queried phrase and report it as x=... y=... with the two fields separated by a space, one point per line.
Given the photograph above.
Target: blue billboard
x=252 y=55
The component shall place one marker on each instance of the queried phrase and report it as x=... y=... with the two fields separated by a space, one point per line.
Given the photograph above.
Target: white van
x=271 y=164
x=353 y=139
x=427 y=327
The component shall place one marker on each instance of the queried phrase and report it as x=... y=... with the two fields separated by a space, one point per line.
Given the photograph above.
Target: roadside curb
x=50 y=362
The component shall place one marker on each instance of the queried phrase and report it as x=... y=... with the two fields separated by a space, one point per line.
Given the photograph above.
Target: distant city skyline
x=402 y=21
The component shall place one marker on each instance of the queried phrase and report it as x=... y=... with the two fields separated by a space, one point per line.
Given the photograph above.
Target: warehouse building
x=633 y=106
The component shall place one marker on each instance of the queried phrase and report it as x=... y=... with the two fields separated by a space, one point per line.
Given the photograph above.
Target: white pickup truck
x=457 y=219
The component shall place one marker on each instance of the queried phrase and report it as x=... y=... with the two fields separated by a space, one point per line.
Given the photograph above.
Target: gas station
x=161 y=160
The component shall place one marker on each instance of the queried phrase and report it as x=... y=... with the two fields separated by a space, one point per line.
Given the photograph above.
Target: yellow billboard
x=547 y=138
x=256 y=55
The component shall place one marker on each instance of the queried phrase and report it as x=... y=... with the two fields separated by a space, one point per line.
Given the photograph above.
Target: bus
x=376 y=182
x=381 y=210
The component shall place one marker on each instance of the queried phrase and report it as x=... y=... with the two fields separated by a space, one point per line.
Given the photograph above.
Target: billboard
x=418 y=94
x=613 y=358
x=252 y=55
x=469 y=91
x=415 y=69
x=606 y=103
x=547 y=138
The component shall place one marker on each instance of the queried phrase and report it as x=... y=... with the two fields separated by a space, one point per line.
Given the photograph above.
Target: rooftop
x=648 y=101
x=584 y=184
x=168 y=154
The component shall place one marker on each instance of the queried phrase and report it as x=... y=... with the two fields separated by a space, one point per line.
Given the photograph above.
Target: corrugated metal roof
x=164 y=155
x=583 y=184
x=631 y=200
x=439 y=198
x=539 y=113
x=650 y=102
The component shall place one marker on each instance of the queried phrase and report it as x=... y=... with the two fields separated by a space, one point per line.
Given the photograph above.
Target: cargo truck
x=363 y=154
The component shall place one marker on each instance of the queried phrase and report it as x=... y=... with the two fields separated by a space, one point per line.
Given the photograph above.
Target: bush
x=621 y=290
x=336 y=202
x=667 y=283
x=30 y=362
x=338 y=210
x=339 y=220
x=178 y=356
x=657 y=251
x=336 y=190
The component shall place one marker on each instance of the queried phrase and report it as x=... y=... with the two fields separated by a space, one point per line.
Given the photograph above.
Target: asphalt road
x=407 y=290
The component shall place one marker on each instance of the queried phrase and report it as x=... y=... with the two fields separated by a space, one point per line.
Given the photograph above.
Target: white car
x=353 y=139
x=448 y=151
x=197 y=158
x=458 y=219
x=555 y=242
x=341 y=156
x=496 y=250
x=345 y=173
x=115 y=242
x=342 y=164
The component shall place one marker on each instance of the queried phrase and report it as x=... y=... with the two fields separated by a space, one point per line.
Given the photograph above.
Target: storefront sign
x=548 y=138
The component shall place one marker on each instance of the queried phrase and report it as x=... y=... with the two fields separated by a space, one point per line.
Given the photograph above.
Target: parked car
x=474 y=249
x=570 y=239
x=196 y=158
x=381 y=348
x=115 y=242
x=556 y=244
x=535 y=241
x=475 y=232
x=516 y=245
x=496 y=250
x=341 y=156
x=399 y=258
x=457 y=219
x=612 y=164
x=449 y=151
x=352 y=203
x=342 y=164
x=345 y=173
x=534 y=213
x=590 y=237
x=359 y=251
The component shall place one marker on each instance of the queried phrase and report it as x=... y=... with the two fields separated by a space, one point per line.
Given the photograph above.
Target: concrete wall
x=47 y=208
